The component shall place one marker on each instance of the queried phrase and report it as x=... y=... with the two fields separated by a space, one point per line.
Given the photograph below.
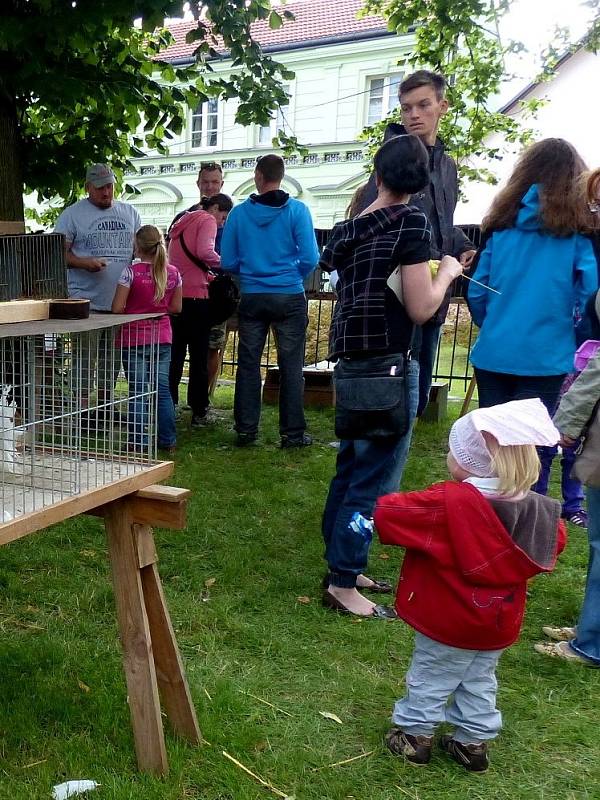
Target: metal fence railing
x=452 y=360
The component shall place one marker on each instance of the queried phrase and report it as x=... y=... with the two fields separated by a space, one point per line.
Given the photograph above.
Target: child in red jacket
x=471 y=545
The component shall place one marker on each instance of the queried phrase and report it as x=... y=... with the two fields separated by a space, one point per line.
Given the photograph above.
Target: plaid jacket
x=368 y=318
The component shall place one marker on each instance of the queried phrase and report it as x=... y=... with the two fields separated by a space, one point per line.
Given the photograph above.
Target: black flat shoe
x=378 y=587
x=379 y=612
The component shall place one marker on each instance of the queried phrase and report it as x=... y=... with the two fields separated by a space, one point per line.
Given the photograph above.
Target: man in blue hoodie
x=269 y=242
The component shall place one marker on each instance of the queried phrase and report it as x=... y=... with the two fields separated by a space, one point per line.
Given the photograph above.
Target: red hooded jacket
x=468 y=558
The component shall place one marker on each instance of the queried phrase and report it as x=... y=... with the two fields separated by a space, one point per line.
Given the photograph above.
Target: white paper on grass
x=71 y=788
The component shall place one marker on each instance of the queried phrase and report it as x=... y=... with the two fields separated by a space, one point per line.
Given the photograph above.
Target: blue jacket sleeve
x=230 y=252
x=477 y=296
x=308 y=252
x=586 y=271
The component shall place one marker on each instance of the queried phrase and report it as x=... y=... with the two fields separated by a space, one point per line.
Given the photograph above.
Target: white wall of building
x=327 y=111
x=572 y=112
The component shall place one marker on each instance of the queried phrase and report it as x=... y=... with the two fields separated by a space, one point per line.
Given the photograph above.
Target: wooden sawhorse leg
x=468 y=396
x=151 y=657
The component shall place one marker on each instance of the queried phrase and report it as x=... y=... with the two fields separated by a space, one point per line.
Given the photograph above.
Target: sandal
x=559 y=634
x=564 y=651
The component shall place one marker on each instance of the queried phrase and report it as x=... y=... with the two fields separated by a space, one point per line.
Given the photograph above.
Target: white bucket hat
x=516 y=422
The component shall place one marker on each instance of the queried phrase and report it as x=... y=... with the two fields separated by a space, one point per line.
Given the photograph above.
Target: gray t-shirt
x=99 y=233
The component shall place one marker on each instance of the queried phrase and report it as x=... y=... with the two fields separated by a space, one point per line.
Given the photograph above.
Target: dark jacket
x=468 y=558
x=437 y=202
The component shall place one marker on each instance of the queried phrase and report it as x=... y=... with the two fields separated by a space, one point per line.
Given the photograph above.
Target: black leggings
x=191 y=330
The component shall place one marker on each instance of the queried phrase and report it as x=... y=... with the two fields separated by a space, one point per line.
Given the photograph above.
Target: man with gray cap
x=99 y=235
x=99 y=238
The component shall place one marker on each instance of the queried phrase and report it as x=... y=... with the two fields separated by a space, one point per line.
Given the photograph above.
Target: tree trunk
x=11 y=180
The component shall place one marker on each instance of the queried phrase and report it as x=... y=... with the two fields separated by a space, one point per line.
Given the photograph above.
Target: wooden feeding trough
x=78 y=436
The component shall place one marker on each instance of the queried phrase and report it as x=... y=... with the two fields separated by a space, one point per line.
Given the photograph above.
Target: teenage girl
x=541 y=270
x=150 y=285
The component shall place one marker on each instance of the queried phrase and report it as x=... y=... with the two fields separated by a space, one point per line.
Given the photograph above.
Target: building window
x=279 y=122
x=204 y=124
x=383 y=97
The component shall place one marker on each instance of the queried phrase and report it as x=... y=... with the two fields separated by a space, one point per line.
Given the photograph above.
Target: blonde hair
x=151 y=244
x=517 y=466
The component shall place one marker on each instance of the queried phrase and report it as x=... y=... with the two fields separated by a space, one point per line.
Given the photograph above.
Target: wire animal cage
x=32 y=266
x=78 y=408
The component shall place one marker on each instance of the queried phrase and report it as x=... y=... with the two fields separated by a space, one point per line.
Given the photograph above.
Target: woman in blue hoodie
x=540 y=271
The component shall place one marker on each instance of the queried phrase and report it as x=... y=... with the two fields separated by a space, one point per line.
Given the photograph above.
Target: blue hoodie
x=271 y=246
x=529 y=329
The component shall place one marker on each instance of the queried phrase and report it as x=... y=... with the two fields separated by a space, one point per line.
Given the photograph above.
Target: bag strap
x=194 y=259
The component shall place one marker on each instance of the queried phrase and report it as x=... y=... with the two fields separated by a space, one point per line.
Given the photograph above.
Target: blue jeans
x=587 y=641
x=287 y=314
x=140 y=368
x=365 y=470
x=438 y=672
x=572 y=488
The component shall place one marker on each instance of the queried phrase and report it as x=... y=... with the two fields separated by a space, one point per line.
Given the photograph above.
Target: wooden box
x=318 y=387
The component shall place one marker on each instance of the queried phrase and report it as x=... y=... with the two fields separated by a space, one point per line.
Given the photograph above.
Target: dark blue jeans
x=365 y=470
x=497 y=387
x=572 y=488
x=287 y=315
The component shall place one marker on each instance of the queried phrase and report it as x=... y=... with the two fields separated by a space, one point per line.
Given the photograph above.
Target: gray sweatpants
x=437 y=672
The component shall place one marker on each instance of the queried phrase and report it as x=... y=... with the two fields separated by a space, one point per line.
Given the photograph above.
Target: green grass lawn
x=243 y=587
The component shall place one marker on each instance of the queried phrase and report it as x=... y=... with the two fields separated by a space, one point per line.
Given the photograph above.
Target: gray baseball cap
x=99 y=175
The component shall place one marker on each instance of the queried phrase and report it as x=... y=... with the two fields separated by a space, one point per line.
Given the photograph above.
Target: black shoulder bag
x=223 y=294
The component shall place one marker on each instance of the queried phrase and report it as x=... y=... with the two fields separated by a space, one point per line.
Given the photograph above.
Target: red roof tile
x=313 y=21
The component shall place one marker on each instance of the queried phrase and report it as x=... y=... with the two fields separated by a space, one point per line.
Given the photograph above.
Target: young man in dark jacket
x=422 y=105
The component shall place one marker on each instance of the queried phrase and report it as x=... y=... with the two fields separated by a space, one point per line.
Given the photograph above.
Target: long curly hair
x=555 y=166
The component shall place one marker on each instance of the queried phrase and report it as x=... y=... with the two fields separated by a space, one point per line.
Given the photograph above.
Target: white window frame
x=204 y=115
x=280 y=120
x=388 y=95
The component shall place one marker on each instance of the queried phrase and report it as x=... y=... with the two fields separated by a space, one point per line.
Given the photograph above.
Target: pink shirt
x=140 y=300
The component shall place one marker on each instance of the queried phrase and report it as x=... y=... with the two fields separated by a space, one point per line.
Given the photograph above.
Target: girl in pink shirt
x=150 y=285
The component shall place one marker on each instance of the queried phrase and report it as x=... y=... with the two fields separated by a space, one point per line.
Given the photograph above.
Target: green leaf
x=275 y=20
